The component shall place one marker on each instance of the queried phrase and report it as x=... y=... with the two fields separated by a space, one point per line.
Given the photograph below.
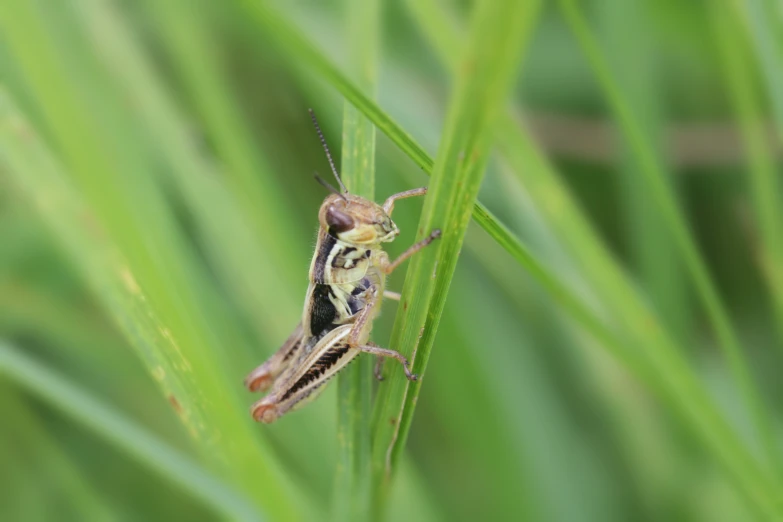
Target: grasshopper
x=347 y=283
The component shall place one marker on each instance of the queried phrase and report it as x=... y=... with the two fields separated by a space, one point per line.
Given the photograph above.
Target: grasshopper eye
x=338 y=222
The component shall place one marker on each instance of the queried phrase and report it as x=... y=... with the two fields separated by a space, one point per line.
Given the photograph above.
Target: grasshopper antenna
x=328 y=154
x=326 y=184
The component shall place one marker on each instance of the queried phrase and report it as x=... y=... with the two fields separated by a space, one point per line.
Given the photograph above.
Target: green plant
x=604 y=349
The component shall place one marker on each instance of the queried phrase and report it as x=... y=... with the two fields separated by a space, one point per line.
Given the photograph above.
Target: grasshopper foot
x=259 y=380
x=264 y=412
x=384 y=352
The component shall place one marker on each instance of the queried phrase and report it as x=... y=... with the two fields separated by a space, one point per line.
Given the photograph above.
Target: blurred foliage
x=610 y=344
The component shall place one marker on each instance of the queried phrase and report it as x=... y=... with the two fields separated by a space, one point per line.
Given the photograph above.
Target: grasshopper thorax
x=356 y=221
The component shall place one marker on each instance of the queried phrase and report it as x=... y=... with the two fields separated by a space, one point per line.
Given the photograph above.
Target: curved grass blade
x=499 y=32
x=188 y=40
x=303 y=53
x=626 y=322
x=630 y=48
x=353 y=478
x=25 y=434
x=123 y=433
x=672 y=216
x=702 y=417
x=43 y=183
x=30 y=165
x=233 y=245
x=236 y=242
x=731 y=35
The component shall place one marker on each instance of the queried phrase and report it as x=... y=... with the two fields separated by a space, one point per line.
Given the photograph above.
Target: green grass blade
x=173 y=365
x=123 y=433
x=235 y=247
x=297 y=46
x=630 y=48
x=632 y=332
x=499 y=31
x=352 y=484
x=672 y=216
x=41 y=181
x=192 y=48
x=303 y=53
x=701 y=414
x=22 y=422
x=236 y=242
x=765 y=26
x=625 y=327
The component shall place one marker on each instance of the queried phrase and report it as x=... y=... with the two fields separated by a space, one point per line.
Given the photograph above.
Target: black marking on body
x=319 y=368
x=357 y=301
x=361 y=286
x=339 y=261
x=356 y=305
x=294 y=347
x=323 y=312
x=347 y=257
x=326 y=244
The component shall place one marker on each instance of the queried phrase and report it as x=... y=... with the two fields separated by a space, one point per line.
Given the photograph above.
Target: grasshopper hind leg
x=262 y=378
x=300 y=385
x=303 y=383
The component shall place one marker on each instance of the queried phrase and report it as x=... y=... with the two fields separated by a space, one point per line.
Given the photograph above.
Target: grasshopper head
x=356 y=220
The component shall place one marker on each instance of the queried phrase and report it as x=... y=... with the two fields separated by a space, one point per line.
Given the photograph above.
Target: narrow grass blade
x=234 y=246
x=302 y=52
x=763 y=27
x=111 y=277
x=679 y=381
x=625 y=326
x=763 y=24
x=23 y=434
x=40 y=180
x=252 y=259
x=499 y=31
x=352 y=484
x=191 y=46
x=123 y=433
x=630 y=48
x=672 y=215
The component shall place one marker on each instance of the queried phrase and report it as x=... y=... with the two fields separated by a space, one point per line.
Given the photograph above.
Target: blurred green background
x=158 y=214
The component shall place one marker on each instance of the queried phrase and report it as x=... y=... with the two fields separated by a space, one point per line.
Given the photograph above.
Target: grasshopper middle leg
x=386 y=353
x=355 y=336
